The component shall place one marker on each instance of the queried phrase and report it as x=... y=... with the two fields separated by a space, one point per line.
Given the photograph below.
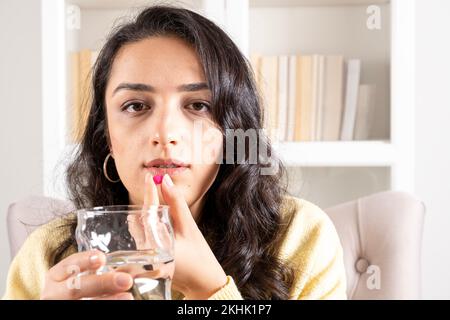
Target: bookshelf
x=353 y=168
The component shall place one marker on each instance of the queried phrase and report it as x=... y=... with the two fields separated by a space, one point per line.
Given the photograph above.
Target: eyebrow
x=190 y=87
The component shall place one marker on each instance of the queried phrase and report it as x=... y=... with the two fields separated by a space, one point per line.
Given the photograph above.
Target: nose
x=164 y=139
x=167 y=133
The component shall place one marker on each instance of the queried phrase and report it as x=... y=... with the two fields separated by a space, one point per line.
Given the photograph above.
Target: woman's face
x=157 y=105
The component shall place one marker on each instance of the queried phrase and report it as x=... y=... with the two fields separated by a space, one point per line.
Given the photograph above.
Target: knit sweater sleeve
x=313 y=248
x=228 y=292
x=26 y=275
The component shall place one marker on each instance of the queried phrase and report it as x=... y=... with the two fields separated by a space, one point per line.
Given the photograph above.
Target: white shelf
x=127 y=4
x=337 y=153
x=314 y=3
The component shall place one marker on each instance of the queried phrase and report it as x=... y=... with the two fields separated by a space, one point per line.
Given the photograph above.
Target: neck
x=196 y=209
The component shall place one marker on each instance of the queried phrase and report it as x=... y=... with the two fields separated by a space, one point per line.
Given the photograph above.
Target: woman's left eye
x=199 y=107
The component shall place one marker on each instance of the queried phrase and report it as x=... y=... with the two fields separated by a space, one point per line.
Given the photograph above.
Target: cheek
x=204 y=172
x=203 y=176
x=121 y=158
x=119 y=134
x=212 y=146
x=127 y=160
x=117 y=145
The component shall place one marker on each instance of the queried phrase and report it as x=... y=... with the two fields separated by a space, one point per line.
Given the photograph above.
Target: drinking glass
x=136 y=239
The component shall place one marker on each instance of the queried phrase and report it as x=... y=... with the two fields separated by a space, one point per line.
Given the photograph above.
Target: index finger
x=150 y=191
x=77 y=263
x=137 y=223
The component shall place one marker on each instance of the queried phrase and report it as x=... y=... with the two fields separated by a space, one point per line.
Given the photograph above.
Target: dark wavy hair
x=241 y=218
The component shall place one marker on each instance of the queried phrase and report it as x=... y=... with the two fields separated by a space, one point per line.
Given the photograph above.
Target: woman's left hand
x=197 y=274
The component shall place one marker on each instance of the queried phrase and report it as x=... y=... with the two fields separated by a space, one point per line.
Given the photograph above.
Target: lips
x=165 y=166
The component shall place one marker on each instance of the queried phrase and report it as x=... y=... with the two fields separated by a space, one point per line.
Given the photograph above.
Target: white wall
x=433 y=141
x=20 y=127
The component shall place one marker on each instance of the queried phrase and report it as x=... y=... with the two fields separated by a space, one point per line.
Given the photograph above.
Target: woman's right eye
x=134 y=107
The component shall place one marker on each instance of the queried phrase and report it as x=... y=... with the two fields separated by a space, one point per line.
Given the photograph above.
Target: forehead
x=163 y=62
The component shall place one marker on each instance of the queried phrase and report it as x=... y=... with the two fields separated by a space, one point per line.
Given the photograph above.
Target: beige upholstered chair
x=382 y=238
x=381 y=235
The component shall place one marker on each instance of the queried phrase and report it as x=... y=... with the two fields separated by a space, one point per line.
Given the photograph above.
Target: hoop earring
x=105 y=173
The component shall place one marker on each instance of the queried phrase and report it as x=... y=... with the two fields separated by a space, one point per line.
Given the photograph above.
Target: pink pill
x=157 y=179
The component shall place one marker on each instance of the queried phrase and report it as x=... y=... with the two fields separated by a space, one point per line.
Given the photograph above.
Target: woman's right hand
x=62 y=282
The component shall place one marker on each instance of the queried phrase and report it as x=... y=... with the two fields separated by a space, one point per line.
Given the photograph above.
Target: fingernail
x=124 y=296
x=94 y=260
x=123 y=280
x=167 y=180
x=157 y=179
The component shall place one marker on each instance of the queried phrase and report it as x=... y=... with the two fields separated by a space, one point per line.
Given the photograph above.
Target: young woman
x=238 y=234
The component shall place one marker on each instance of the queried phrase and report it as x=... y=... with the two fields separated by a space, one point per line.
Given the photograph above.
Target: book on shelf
x=351 y=98
x=314 y=97
x=292 y=98
x=317 y=96
x=282 y=96
x=269 y=90
x=333 y=100
x=81 y=64
x=305 y=103
x=365 y=111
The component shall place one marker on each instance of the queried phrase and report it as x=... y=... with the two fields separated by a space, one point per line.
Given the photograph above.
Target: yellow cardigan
x=310 y=243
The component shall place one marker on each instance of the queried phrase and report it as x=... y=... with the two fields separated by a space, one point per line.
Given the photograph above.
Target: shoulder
x=312 y=246
x=48 y=238
x=296 y=208
x=305 y=222
x=36 y=256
